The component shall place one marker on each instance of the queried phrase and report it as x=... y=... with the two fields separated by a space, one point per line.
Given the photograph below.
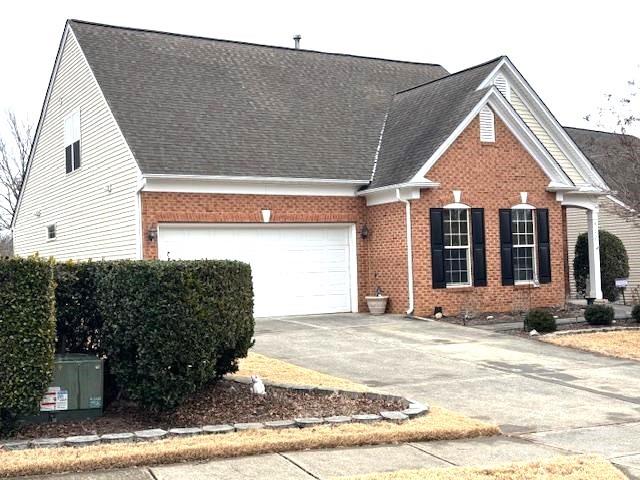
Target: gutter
x=407 y=206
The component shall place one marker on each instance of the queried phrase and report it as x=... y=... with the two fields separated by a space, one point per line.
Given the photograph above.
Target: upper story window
x=524 y=244
x=457 y=251
x=51 y=232
x=72 y=141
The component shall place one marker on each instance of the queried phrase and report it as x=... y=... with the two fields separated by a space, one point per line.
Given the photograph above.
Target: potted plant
x=377 y=303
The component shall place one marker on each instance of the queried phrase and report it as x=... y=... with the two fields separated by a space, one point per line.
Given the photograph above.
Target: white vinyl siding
x=544 y=137
x=610 y=220
x=487 y=125
x=94 y=208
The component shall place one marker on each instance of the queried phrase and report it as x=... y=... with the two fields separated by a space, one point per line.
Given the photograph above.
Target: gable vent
x=487 y=125
x=501 y=84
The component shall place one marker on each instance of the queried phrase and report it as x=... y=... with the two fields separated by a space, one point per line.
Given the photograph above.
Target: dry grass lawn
x=278 y=371
x=566 y=468
x=622 y=343
x=439 y=424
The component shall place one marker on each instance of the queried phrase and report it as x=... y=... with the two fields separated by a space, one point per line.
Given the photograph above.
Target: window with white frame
x=72 y=141
x=524 y=243
x=51 y=232
x=457 y=251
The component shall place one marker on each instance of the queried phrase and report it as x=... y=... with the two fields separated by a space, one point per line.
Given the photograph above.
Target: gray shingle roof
x=422 y=118
x=195 y=106
x=612 y=154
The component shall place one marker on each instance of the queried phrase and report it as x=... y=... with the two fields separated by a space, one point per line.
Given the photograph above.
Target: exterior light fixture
x=152 y=234
x=364 y=232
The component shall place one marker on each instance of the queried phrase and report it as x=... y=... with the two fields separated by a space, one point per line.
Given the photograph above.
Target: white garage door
x=296 y=269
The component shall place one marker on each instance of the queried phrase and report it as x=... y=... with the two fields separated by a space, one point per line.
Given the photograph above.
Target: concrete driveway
x=559 y=397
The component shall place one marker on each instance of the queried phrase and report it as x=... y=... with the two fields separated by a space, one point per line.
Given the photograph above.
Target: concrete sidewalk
x=324 y=464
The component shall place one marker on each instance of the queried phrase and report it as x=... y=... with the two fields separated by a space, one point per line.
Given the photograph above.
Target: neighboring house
x=331 y=174
x=605 y=150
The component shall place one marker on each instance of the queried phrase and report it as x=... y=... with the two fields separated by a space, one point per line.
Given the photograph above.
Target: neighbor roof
x=422 y=118
x=612 y=154
x=198 y=106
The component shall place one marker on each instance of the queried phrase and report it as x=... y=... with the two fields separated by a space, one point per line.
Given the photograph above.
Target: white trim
x=138 y=207
x=544 y=116
x=247 y=187
x=516 y=125
x=407 y=211
x=353 y=267
x=425 y=183
x=534 y=247
x=250 y=178
x=467 y=247
x=55 y=231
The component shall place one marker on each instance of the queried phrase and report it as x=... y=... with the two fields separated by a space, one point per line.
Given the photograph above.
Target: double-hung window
x=72 y=141
x=524 y=244
x=457 y=252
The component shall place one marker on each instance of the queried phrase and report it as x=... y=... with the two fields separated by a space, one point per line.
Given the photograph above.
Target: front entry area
x=297 y=269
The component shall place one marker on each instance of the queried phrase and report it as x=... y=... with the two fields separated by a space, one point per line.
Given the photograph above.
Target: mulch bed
x=222 y=402
x=508 y=317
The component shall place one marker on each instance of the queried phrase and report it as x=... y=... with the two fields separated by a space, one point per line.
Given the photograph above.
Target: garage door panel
x=296 y=270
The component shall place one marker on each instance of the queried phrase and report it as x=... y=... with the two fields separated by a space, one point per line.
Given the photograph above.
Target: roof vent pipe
x=297 y=39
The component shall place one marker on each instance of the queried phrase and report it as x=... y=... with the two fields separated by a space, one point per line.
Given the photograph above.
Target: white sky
x=571 y=52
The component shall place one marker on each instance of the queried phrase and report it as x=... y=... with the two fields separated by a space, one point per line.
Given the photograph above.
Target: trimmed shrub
x=540 y=320
x=599 y=315
x=79 y=322
x=635 y=313
x=172 y=327
x=614 y=263
x=27 y=335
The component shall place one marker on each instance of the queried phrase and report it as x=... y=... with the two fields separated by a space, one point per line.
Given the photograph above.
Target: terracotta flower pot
x=377 y=304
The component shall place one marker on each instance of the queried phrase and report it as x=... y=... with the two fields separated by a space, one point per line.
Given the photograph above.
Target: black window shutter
x=437 y=247
x=76 y=155
x=544 y=246
x=479 y=256
x=69 y=159
x=506 y=247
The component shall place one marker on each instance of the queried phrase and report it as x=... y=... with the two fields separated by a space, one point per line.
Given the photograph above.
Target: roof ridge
x=451 y=74
x=239 y=42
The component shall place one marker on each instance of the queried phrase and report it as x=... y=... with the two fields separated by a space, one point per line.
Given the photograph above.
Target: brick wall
x=165 y=207
x=388 y=254
x=490 y=176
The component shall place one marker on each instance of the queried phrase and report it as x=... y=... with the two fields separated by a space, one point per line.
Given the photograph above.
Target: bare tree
x=617 y=157
x=14 y=155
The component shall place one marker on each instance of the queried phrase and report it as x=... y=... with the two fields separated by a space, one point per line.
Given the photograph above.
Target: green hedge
x=540 y=320
x=599 y=315
x=614 y=263
x=172 y=327
x=27 y=334
x=79 y=322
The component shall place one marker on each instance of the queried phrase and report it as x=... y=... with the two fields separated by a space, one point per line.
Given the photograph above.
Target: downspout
x=407 y=207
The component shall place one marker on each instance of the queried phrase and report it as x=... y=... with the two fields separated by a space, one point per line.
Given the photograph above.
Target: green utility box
x=76 y=390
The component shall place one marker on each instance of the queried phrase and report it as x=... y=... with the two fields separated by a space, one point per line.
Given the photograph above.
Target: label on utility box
x=54 y=399
x=95 y=402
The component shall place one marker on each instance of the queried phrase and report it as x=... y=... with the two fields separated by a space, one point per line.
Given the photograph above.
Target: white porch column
x=595 y=287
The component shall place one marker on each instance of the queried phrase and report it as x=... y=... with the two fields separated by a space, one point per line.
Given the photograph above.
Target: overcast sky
x=572 y=53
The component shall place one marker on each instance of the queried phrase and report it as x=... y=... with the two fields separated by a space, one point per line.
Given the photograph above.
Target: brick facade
x=490 y=176
x=161 y=207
